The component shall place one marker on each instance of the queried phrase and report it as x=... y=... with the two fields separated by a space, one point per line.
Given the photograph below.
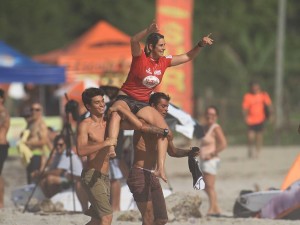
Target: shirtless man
x=142 y=182
x=37 y=139
x=93 y=143
x=4 y=126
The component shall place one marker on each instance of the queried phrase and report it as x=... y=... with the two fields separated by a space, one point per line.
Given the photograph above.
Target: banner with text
x=174 y=19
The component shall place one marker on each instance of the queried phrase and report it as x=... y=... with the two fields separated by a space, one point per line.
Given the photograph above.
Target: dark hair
x=253 y=82
x=1 y=93
x=152 y=39
x=26 y=112
x=89 y=93
x=57 y=138
x=154 y=98
x=50 y=129
x=213 y=107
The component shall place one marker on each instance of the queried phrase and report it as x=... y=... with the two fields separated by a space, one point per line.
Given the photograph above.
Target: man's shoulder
x=89 y=123
x=84 y=123
x=248 y=97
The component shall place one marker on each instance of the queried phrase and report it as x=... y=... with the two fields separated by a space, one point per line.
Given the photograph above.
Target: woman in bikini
x=211 y=145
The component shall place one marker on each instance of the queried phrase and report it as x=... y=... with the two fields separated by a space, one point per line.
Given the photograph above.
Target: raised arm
x=84 y=148
x=178 y=152
x=183 y=58
x=135 y=40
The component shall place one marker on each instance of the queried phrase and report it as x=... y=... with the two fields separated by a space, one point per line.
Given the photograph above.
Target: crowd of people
x=92 y=162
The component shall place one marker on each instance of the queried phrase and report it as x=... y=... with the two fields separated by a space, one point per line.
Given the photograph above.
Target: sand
x=237 y=173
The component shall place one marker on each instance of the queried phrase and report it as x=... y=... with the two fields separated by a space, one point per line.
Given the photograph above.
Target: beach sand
x=236 y=173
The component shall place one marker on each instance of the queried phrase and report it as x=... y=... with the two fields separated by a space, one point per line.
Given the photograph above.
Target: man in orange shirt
x=255 y=104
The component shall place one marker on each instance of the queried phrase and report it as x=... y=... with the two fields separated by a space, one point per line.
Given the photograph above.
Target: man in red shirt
x=255 y=104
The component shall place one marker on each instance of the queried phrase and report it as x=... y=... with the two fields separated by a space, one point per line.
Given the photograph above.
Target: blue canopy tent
x=16 y=67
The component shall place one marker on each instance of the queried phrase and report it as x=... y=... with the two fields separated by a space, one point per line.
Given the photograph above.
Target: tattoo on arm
x=147 y=128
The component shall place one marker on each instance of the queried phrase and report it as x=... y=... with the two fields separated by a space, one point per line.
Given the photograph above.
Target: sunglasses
x=35 y=109
x=59 y=145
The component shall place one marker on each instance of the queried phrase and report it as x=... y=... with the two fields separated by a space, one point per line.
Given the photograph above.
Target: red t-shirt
x=254 y=105
x=144 y=75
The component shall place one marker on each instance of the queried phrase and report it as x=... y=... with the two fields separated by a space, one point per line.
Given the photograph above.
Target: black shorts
x=133 y=104
x=34 y=164
x=3 y=155
x=256 y=127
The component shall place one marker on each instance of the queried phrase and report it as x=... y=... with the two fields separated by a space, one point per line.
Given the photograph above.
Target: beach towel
x=194 y=166
x=23 y=149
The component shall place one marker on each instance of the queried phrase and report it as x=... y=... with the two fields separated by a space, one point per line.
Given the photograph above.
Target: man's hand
x=113 y=108
x=195 y=151
x=153 y=27
x=111 y=141
x=170 y=136
x=205 y=41
x=29 y=144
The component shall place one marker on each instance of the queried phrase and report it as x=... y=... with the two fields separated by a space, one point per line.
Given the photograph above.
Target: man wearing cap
x=4 y=126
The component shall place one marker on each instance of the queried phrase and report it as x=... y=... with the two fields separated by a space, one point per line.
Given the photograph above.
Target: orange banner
x=174 y=19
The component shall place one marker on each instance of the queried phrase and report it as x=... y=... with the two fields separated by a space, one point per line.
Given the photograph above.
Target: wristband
x=200 y=44
x=166 y=132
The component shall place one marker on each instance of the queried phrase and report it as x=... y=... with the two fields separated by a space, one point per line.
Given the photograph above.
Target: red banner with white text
x=174 y=19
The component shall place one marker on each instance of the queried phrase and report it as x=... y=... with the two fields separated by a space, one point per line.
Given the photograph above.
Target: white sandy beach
x=237 y=173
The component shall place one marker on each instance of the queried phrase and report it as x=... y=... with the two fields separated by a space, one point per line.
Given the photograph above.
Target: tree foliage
x=244 y=33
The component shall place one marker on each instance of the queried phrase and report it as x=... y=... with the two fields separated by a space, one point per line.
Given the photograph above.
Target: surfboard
x=256 y=200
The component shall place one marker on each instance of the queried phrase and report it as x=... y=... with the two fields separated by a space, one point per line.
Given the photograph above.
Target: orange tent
x=292 y=175
x=103 y=51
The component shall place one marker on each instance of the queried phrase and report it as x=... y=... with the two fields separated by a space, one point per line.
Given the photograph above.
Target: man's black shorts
x=257 y=127
x=3 y=155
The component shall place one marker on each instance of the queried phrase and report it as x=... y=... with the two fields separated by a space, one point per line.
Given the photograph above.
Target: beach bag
x=239 y=211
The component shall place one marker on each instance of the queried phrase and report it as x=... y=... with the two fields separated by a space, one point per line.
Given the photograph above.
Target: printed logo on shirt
x=148 y=71
x=150 y=81
x=157 y=72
